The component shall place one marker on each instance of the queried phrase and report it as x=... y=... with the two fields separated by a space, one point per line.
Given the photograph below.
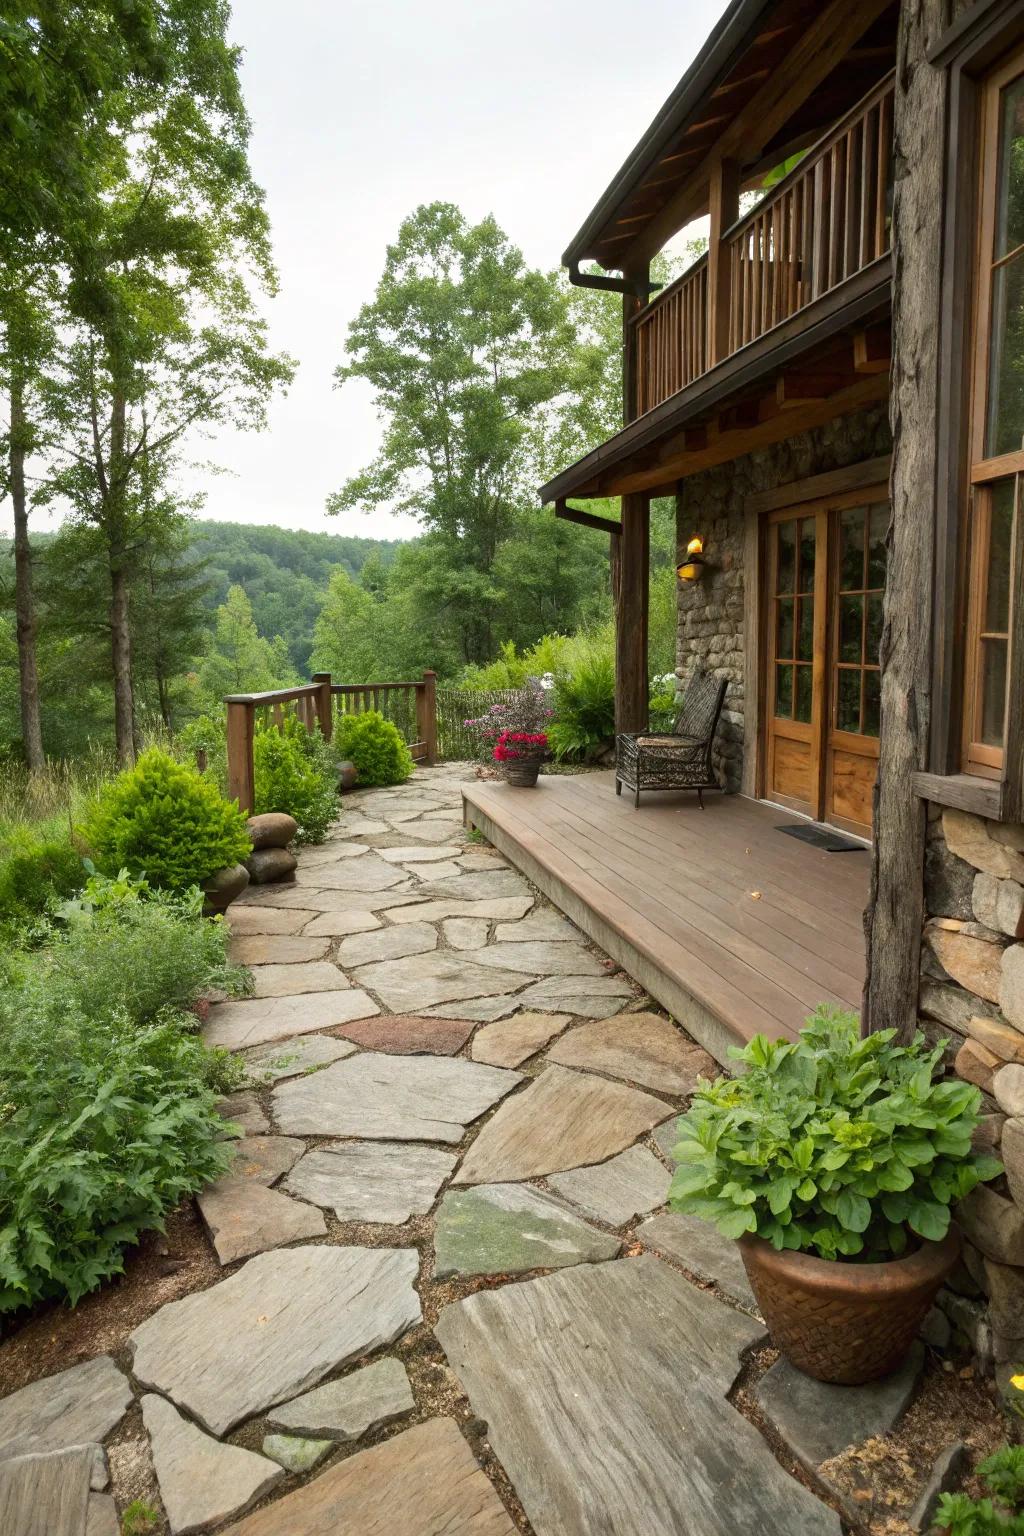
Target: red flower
x=512 y=745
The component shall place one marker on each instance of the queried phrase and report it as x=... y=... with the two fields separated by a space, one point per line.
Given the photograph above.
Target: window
x=997 y=418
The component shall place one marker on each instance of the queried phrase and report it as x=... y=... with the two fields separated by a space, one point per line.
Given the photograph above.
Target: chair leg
x=618 y=786
x=700 y=798
x=636 y=798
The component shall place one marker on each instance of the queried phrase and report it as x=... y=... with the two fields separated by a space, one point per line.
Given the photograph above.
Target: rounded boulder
x=268 y=864
x=274 y=829
x=223 y=886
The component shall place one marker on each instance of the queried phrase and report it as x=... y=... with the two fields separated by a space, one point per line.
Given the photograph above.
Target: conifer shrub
x=376 y=748
x=294 y=770
x=167 y=823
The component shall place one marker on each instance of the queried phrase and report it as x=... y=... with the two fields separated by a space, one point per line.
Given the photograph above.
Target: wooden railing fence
x=412 y=707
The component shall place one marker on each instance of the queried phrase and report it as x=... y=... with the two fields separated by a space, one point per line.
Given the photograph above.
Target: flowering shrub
x=526 y=712
x=513 y=745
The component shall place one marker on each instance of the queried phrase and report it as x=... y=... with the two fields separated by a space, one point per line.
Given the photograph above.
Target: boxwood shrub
x=376 y=748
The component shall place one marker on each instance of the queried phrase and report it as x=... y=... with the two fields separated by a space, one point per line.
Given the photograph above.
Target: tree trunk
x=895 y=913
x=121 y=658
x=24 y=603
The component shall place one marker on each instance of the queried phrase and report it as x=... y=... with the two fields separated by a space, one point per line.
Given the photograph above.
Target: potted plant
x=834 y=1160
x=521 y=753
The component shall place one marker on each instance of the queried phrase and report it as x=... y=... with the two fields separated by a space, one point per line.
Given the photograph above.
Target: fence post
x=426 y=709
x=241 y=777
x=324 y=704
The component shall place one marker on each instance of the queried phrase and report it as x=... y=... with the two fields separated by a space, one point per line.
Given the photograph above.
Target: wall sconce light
x=692 y=567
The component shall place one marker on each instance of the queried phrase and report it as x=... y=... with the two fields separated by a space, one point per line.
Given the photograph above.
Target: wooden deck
x=731 y=926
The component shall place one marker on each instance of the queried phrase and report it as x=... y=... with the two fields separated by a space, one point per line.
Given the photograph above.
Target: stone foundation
x=711 y=611
x=972 y=994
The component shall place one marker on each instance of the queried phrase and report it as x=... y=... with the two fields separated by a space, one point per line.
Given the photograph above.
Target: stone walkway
x=453 y=1303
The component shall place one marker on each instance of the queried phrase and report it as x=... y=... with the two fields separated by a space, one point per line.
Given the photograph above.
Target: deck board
x=730 y=925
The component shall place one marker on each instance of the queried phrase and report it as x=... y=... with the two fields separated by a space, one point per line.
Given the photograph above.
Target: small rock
x=935 y=1331
x=273 y=829
x=201 y=1480
x=268 y=865
x=993 y=1224
x=224 y=887
x=976 y=963
x=348 y=776
x=948 y=881
x=976 y=841
x=947 y=1471
x=988 y=1132
x=347 y=1409
x=950 y=1005
x=975 y=1064
x=294 y=1452
x=1011 y=993
x=1005 y=1286
x=1011 y=1150
x=1008 y=1088
x=243 y=1109
x=1001 y=1039
x=999 y=904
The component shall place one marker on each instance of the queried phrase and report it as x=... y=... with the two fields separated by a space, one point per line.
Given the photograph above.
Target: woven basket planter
x=841 y=1322
x=522 y=772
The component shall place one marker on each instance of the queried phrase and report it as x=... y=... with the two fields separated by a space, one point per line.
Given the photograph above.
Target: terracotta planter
x=523 y=772
x=843 y=1322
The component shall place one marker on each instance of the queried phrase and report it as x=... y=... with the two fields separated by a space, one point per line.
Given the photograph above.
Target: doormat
x=824 y=838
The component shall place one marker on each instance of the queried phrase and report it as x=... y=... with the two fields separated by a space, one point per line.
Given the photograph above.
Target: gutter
x=639 y=287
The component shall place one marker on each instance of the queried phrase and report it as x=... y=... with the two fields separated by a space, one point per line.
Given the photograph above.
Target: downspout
x=639 y=287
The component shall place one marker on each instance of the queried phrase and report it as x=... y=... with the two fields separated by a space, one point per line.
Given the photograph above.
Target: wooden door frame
x=831 y=491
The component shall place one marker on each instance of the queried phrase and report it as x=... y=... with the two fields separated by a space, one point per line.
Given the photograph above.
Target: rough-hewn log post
x=426 y=711
x=895 y=911
x=631 y=702
x=241 y=777
x=324 y=704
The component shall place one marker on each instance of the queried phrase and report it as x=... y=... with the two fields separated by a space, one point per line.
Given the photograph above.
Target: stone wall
x=711 y=611
x=972 y=993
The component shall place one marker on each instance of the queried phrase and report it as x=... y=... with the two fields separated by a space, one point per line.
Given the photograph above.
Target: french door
x=825 y=579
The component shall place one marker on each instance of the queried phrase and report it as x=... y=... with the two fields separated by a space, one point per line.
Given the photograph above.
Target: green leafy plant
x=832 y=1144
x=35 y=872
x=166 y=822
x=294 y=771
x=125 y=948
x=138 y=1519
x=104 y=1128
x=1001 y=1512
x=376 y=748
x=584 y=707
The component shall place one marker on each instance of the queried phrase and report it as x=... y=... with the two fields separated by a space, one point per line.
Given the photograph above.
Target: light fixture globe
x=692 y=568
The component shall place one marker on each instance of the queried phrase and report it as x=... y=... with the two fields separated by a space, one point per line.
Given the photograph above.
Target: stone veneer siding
x=972 y=994
x=711 y=611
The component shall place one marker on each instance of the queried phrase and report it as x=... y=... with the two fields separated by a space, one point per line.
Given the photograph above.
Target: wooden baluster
x=797 y=246
x=868 y=160
x=884 y=160
x=850 y=243
x=820 y=231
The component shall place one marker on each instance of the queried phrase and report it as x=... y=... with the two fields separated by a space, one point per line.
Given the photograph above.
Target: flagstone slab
x=408 y=826
x=244 y=1217
x=270 y=1063
x=466 y=932
x=377 y=1181
x=346 y=1409
x=73 y=1408
x=263 y=1159
x=295 y=1453
x=603 y=1388
x=640 y=1047
x=422 y=1482
x=626 y=1186
x=503 y=907
x=544 y=927
x=46 y=1494
x=247 y=920
x=592 y=998
x=446 y=976
x=370 y=873
x=245 y=1111
x=277 y=949
x=481 y=860
x=338 y=925
x=480 y=1009
x=439 y=871
x=392 y=1098
x=499 y=1229
x=699 y=1247
x=510 y=1042
x=405 y=1034
x=502 y=883
x=201 y=1481
x=355 y=826
x=259 y=1020
x=427 y=853
x=387 y=944
x=332 y=853
x=325 y=900
x=275 y=1328
x=291 y=980
x=666 y=1138
x=562 y=1120
x=817 y=1420
x=542 y=958
x=453 y=814
x=101 y=1516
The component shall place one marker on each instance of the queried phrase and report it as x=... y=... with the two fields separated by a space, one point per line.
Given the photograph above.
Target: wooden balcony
x=825 y=222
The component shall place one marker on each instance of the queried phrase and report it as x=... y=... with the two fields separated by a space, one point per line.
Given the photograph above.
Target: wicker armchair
x=681 y=759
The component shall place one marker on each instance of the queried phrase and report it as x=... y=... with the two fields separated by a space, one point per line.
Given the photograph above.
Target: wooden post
x=631 y=305
x=241 y=776
x=426 y=716
x=631 y=694
x=325 y=704
x=724 y=208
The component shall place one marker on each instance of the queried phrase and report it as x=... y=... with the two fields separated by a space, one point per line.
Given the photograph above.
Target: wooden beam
x=798 y=386
x=586 y=519
x=854 y=477
x=872 y=349
x=740 y=417
x=695 y=439
x=631 y=700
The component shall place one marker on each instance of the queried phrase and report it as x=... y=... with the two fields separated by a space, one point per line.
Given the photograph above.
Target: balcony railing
x=826 y=221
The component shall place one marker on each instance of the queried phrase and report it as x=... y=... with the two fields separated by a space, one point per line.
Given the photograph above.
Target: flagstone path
x=452 y=1301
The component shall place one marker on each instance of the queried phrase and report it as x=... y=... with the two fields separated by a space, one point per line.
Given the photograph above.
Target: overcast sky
x=363 y=109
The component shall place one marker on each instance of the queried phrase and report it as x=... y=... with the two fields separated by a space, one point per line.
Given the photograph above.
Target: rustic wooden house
x=834 y=394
